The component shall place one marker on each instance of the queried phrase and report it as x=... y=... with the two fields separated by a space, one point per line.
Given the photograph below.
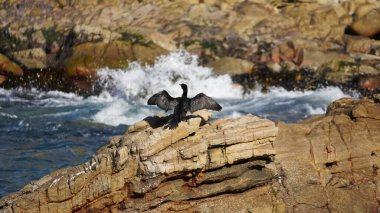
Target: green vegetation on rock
x=52 y=35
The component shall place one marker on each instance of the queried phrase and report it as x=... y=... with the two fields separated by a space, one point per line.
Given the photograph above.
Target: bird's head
x=184 y=86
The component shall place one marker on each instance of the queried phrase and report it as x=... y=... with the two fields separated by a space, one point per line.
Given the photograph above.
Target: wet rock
x=232 y=66
x=9 y=67
x=3 y=78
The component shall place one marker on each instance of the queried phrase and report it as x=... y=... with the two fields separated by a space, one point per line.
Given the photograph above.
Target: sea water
x=43 y=131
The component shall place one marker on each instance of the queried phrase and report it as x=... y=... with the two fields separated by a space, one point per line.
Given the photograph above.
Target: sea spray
x=140 y=82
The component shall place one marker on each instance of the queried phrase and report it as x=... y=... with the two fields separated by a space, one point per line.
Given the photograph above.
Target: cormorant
x=182 y=105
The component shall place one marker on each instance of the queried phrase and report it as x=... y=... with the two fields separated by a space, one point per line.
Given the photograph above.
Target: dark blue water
x=36 y=139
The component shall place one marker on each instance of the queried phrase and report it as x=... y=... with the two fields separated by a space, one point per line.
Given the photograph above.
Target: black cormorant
x=182 y=105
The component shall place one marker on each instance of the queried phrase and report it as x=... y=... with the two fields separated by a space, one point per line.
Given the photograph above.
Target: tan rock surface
x=9 y=67
x=325 y=164
x=148 y=167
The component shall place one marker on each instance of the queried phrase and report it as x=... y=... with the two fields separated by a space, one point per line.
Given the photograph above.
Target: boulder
x=344 y=71
x=3 y=78
x=86 y=58
x=31 y=58
x=368 y=25
x=9 y=67
x=232 y=66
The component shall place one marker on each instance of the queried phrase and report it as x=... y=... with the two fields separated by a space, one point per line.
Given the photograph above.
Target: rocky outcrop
x=329 y=164
x=323 y=164
x=247 y=38
x=152 y=166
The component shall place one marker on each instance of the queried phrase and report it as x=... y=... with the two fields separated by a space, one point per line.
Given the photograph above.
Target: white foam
x=140 y=82
x=121 y=112
x=315 y=111
x=7 y=115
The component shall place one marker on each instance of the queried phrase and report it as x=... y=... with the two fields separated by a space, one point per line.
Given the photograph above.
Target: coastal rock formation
x=152 y=166
x=323 y=164
x=248 y=38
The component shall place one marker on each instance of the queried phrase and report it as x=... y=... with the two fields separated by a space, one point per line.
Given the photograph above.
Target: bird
x=183 y=104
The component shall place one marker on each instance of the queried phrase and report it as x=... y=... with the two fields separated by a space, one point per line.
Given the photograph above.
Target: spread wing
x=202 y=101
x=163 y=100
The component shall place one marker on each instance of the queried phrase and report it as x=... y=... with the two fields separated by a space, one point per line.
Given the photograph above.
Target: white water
x=123 y=100
x=129 y=89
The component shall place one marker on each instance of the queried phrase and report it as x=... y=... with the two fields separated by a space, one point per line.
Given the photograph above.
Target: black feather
x=163 y=100
x=201 y=101
x=181 y=105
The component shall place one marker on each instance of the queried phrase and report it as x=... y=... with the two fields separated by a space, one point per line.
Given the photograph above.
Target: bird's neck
x=184 y=94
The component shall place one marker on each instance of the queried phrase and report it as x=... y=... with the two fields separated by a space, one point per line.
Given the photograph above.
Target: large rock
x=232 y=66
x=369 y=24
x=9 y=67
x=88 y=57
x=330 y=164
x=344 y=71
x=154 y=168
x=324 y=164
x=31 y=58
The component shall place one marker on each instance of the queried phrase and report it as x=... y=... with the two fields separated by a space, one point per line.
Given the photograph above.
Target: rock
x=232 y=66
x=376 y=97
x=338 y=156
x=31 y=58
x=88 y=57
x=9 y=67
x=3 y=79
x=367 y=25
x=370 y=83
x=287 y=51
x=38 y=38
x=212 y=29
x=163 y=167
x=358 y=44
x=95 y=33
x=363 y=10
x=341 y=106
x=344 y=71
x=324 y=164
x=315 y=58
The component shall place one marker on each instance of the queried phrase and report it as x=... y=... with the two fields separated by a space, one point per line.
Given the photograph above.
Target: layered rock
x=151 y=166
x=323 y=164
x=329 y=164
